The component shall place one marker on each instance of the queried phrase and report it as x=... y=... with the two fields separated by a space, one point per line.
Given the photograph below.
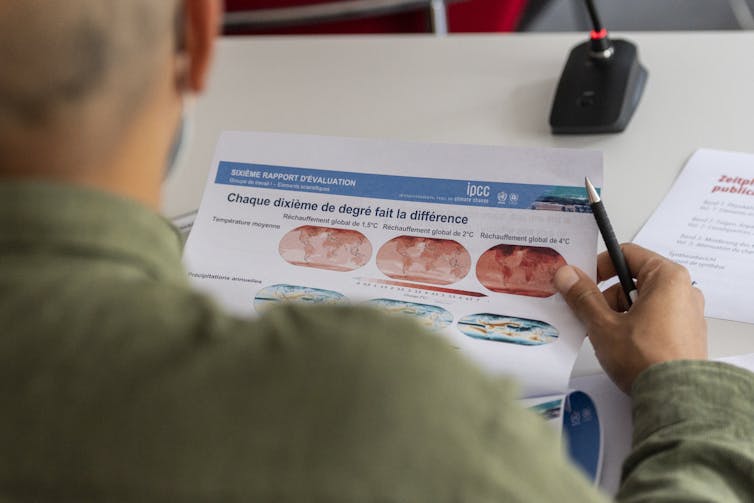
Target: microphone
x=600 y=46
x=600 y=86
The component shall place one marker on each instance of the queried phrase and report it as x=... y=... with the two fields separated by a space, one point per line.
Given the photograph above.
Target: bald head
x=71 y=63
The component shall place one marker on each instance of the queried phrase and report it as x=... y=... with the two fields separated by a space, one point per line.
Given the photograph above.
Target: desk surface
x=490 y=89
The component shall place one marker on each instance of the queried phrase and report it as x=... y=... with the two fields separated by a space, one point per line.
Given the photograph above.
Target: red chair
x=485 y=15
x=370 y=16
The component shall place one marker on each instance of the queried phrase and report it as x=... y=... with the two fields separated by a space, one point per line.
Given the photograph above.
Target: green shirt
x=120 y=383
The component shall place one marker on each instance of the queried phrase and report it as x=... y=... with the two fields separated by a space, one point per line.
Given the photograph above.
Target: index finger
x=636 y=257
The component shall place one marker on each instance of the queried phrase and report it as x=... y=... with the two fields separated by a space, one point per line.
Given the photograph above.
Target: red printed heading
x=734 y=185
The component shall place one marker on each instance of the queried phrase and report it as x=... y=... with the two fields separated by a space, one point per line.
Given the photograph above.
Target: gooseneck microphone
x=600 y=86
x=600 y=46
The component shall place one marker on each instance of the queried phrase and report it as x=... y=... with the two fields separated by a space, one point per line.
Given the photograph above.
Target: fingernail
x=565 y=278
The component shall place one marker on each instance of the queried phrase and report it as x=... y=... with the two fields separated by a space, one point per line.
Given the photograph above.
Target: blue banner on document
x=405 y=188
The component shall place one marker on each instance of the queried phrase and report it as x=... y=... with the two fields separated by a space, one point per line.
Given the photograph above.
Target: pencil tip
x=591 y=191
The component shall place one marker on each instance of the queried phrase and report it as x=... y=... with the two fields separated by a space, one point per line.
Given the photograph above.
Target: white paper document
x=464 y=238
x=706 y=223
x=576 y=417
x=614 y=411
x=184 y=222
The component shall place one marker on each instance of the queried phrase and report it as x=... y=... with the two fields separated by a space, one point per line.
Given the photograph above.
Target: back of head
x=74 y=74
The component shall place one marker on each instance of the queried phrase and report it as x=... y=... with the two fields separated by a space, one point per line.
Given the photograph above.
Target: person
x=120 y=383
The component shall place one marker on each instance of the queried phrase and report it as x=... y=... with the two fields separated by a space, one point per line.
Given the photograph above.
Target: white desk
x=491 y=89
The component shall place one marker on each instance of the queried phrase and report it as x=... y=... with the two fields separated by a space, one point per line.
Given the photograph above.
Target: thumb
x=582 y=295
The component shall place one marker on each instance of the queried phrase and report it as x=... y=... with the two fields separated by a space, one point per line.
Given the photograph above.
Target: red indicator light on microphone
x=598 y=35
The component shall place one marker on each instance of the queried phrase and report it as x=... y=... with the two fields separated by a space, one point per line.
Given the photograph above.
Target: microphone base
x=598 y=95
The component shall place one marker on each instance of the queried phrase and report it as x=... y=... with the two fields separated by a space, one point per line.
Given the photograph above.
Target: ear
x=202 y=18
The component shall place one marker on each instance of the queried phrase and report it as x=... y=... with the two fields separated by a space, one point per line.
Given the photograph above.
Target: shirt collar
x=73 y=220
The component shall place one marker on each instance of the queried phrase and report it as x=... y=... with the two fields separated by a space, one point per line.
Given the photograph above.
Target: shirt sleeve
x=693 y=434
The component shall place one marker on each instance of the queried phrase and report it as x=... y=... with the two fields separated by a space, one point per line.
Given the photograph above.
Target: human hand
x=666 y=322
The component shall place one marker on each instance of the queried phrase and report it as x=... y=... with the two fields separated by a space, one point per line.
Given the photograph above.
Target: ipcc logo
x=473 y=190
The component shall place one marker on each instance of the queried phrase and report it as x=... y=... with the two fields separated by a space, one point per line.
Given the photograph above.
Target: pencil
x=613 y=247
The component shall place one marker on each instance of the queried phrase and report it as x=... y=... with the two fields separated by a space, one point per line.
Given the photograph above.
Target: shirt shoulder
x=154 y=393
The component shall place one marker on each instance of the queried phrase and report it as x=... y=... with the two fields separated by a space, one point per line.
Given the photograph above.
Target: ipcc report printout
x=706 y=223
x=466 y=239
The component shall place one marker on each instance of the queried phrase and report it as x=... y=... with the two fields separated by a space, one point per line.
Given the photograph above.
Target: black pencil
x=613 y=247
